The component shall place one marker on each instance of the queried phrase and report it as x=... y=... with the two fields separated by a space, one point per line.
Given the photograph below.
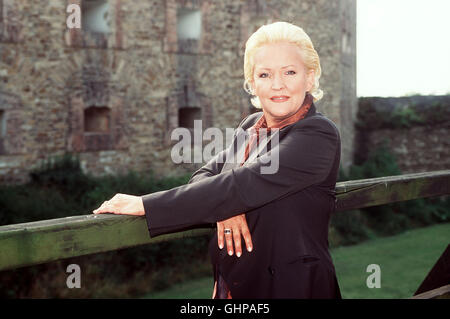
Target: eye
x=263 y=75
x=291 y=72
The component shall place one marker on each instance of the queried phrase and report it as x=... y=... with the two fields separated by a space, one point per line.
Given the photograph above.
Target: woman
x=282 y=215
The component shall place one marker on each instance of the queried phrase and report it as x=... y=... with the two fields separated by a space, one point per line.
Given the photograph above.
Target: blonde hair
x=278 y=32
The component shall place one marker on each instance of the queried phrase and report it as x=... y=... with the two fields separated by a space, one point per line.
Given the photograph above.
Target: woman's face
x=280 y=80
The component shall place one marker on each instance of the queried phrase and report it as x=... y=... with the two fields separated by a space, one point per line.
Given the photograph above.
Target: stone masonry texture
x=139 y=74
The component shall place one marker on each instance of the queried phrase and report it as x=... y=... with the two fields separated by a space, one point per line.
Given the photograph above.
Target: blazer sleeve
x=215 y=165
x=305 y=156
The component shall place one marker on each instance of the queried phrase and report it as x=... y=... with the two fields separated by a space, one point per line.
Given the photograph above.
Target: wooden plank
x=438 y=293
x=39 y=242
x=385 y=190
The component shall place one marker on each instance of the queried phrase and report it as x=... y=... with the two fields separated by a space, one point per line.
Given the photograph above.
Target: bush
x=351 y=227
x=380 y=162
x=59 y=188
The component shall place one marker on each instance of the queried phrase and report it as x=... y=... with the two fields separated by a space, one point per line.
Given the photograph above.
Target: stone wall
x=415 y=129
x=134 y=79
x=417 y=149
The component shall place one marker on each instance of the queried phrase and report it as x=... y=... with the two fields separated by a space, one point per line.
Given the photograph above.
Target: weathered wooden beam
x=438 y=293
x=385 y=190
x=43 y=241
x=48 y=240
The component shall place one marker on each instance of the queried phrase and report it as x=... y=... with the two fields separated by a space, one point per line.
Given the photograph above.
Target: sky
x=403 y=47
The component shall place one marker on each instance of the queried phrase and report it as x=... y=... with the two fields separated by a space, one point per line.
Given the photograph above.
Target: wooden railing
x=48 y=240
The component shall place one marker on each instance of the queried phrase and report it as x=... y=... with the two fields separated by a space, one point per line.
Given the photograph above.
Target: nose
x=277 y=83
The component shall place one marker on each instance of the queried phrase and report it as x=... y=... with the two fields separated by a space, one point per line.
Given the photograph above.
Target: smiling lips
x=279 y=98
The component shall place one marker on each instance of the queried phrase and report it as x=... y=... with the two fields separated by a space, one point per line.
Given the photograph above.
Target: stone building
x=113 y=90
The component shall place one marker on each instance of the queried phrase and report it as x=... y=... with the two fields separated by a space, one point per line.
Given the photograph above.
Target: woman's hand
x=122 y=204
x=238 y=226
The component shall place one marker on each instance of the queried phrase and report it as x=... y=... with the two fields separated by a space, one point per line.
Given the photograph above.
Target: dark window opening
x=2 y=132
x=187 y=115
x=1 y=16
x=97 y=119
x=2 y=123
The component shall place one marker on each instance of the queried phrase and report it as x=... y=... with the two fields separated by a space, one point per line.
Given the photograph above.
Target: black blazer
x=287 y=212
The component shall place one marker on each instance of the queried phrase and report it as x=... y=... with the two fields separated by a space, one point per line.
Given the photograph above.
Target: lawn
x=404 y=261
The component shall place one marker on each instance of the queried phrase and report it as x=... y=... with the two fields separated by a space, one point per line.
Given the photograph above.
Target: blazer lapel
x=261 y=149
x=236 y=152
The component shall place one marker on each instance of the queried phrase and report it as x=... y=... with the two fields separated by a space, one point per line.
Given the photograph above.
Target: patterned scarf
x=262 y=124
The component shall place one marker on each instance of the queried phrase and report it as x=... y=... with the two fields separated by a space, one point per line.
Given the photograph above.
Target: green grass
x=194 y=289
x=404 y=259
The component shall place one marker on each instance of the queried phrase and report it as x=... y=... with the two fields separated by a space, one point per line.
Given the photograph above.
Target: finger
x=237 y=241
x=102 y=210
x=229 y=241
x=220 y=234
x=98 y=210
x=247 y=237
x=214 y=291
x=106 y=207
